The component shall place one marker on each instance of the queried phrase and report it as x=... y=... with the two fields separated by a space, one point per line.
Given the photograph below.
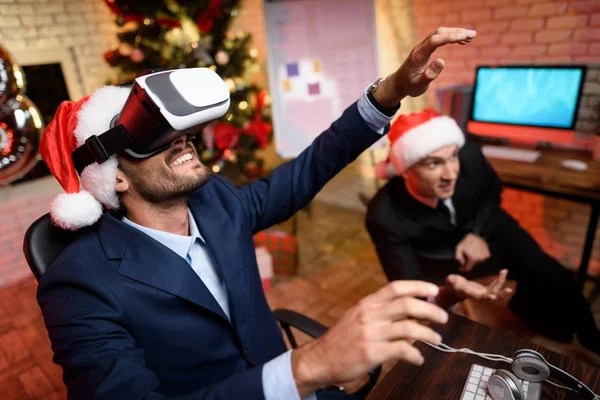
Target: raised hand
x=416 y=73
x=381 y=327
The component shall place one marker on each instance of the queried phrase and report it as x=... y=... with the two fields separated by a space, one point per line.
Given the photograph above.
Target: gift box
x=283 y=248
x=265 y=267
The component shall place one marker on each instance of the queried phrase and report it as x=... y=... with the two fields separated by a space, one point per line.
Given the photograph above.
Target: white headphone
x=527 y=365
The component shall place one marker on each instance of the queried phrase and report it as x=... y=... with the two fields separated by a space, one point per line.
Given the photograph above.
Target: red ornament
x=259 y=129
x=137 y=56
x=204 y=21
x=226 y=135
x=112 y=57
x=165 y=22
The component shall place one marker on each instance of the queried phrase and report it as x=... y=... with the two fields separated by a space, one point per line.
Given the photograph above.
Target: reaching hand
x=381 y=327
x=471 y=251
x=416 y=73
x=462 y=288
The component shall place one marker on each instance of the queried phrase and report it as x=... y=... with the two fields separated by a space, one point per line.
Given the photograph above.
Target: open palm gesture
x=463 y=288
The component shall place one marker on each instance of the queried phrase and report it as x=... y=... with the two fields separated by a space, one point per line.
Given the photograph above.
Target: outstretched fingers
x=441 y=37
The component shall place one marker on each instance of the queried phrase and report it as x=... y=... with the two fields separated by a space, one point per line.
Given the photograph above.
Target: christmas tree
x=173 y=34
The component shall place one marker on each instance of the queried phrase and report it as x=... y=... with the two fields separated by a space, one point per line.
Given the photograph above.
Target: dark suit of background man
x=440 y=214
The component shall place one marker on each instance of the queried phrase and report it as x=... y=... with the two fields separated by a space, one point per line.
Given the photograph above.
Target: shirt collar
x=179 y=244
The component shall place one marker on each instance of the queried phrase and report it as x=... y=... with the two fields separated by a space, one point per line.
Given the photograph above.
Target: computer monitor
x=529 y=103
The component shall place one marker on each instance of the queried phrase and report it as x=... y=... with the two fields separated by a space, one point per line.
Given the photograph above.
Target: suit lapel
x=147 y=261
x=222 y=239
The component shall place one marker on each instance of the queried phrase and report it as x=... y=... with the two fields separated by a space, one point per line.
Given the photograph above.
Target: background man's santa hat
x=414 y=136
x=73 y=123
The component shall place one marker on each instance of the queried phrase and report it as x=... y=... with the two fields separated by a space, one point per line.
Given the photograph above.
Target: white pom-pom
x=73 y=211
x=385 y=170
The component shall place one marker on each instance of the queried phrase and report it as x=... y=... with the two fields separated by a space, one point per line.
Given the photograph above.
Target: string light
x=216 y=169
x=253 y=52
x=230 y=84
x=243 y=105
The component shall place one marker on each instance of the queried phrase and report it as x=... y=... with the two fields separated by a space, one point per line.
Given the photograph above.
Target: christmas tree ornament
x=225 y=135
x=12 y=79
x=125 y=49
x=112 y=57
x=21 y=128
x=137 y=56
x=259 y=129
x=221 y=57
x=230 y=85
x=205 y=20
x=131 y=26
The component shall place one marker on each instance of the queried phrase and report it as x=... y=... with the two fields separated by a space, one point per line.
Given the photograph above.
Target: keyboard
x=508 y=153
x=476 y=385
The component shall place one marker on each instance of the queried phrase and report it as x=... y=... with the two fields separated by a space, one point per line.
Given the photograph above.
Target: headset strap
x=98 y=149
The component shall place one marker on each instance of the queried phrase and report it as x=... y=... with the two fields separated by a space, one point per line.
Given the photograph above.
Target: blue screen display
x=541 y=96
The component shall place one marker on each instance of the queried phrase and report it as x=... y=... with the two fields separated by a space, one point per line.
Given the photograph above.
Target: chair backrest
x=43 y=243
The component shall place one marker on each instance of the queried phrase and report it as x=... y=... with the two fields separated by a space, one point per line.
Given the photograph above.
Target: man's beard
x=161 y=186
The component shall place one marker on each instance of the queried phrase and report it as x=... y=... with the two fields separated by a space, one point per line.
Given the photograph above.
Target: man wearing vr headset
x=127 y=316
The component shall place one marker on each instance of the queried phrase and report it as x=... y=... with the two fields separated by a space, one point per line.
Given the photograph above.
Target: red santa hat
x=414 y=136
x=73 y=123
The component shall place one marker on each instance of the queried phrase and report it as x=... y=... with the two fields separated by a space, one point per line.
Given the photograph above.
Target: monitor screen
x=529 y=95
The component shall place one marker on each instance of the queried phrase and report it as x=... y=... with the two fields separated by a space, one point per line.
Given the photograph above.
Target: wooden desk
x=546 y=176
x=443 y=375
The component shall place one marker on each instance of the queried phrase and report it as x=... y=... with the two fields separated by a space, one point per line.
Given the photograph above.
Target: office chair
x=44 y=242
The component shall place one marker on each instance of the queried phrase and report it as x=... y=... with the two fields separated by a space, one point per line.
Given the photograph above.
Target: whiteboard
x=322 y=55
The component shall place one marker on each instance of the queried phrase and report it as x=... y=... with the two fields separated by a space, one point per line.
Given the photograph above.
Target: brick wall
x=559 y=226
x=84 y=27
x=520 y=31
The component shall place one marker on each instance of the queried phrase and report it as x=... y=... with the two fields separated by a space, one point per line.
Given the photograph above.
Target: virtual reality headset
x=161 y=107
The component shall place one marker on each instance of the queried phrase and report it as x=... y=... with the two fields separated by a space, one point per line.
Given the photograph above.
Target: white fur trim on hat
x=94 y=119
x=418 y=142
x=73 y=211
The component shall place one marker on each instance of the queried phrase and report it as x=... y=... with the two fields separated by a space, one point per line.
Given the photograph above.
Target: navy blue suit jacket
x=129 y=319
